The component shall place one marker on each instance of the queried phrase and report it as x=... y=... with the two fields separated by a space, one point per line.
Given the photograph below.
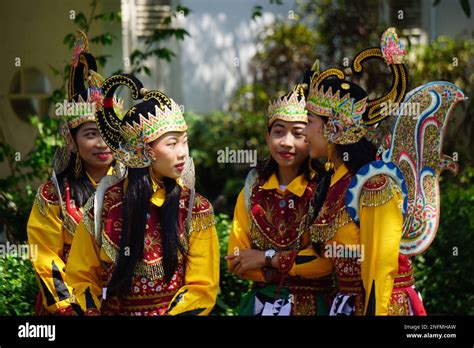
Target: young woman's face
x=313 y=133
x=170 y=151
x=286 y=143
x=92 y=149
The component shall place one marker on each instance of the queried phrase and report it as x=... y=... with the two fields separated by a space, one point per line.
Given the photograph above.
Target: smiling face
x=171 y=151
x=95 y=154
x=313 y=134
x=286 y=143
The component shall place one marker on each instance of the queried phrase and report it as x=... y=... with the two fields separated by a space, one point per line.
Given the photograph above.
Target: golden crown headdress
x=290 y=107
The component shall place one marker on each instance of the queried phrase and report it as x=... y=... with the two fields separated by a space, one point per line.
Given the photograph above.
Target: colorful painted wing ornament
x=414 y=159
x=417 y=150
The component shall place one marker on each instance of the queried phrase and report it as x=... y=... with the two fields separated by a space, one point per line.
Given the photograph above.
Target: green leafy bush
x=18 y=286
x=231 y=287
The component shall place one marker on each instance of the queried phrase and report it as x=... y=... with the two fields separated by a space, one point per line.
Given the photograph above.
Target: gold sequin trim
x=42 y=202
x=405 y=284
x=153 y=271
x=202 y=221
x=43 y=206
x=86 y=219
x=375 y=198
x=399 y=304
x=263 y=242
x=69 y=223
x=325 y=232
x=406 y=274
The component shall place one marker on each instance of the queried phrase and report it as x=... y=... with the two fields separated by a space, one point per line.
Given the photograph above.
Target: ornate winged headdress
x=145 y=122
x=351 y=113
x=83 y=102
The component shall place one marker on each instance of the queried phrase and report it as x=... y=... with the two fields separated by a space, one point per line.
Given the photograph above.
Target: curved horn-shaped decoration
x=109 y=124
x=395 y=94
x=79 y=74
x=85 y=40
x=161 y=98
x=318 y=77
x=80 y=71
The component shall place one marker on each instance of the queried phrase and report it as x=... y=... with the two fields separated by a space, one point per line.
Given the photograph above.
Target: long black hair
x=358 y=155
x=136 y=207
x=81 y=188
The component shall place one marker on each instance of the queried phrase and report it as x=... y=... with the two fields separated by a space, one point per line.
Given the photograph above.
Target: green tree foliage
x=215 y=132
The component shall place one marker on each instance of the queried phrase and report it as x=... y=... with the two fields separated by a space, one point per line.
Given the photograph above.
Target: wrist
x=269 y=257
x=275 y=261
x=263 y=261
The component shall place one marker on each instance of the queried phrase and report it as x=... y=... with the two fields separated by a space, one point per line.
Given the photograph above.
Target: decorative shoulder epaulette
x=47 y=194
x=377 y=191
x=374 y=184
x=203 y=214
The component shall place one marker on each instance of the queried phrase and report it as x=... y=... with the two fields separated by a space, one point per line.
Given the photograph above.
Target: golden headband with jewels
x=145 y=122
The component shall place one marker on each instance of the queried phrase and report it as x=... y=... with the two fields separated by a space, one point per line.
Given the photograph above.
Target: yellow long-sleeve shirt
x=50 y=229
x=46 y=233
x=201 y=276
x=240 y=238
x=380 y=233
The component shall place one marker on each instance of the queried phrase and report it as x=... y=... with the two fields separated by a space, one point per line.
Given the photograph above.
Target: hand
x=246 y=260
x=65 y=311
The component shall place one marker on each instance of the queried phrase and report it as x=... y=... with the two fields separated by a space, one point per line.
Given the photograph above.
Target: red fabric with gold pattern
x=149 y=295
x=404 y=294
x=71 y=214
x=335 y=201
x=306 y=291
x=349 y=281
x=376 y=183
x=278 y=216
x=201 y=204
x=48 y=193
x=113 y=216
